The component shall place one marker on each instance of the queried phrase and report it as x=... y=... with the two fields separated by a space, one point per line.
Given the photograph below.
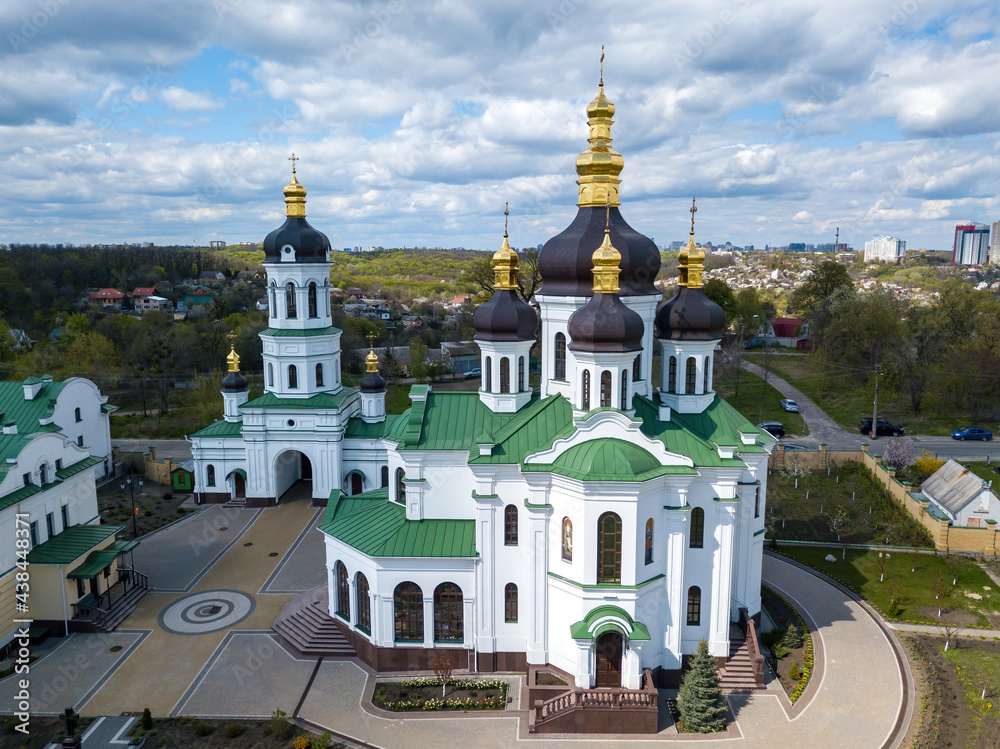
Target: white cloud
x=181 y=100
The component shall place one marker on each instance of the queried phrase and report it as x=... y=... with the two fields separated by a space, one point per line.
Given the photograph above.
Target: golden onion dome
x=599 y=166
x=505 y=260
x=607 y=261
x=295 y=194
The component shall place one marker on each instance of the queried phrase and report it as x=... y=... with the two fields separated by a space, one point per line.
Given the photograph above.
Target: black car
x=774 y=428
x=885 y=428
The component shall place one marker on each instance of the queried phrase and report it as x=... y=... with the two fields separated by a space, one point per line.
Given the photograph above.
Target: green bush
x=320 y=742
x=793 y=637
x=147 y=720
x=233 y=730
x=280 y=726
x=793 y=673
x=168 y=495
x=894 y=608
x=201 y=728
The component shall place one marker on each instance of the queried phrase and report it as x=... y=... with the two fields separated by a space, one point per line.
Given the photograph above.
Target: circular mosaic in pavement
x=205 y=612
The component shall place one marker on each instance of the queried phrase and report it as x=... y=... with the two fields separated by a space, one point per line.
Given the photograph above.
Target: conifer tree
x=700 y=701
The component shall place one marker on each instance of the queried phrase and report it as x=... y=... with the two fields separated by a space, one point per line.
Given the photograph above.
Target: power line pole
x=878 y=372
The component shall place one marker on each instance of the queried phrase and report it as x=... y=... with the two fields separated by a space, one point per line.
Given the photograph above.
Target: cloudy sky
x=171 y=120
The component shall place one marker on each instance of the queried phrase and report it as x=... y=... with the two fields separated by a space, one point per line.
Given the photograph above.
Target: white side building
x=884 y=248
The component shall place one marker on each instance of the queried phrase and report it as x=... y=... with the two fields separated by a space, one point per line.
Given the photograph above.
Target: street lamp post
x=131 y=482
x=874 y=433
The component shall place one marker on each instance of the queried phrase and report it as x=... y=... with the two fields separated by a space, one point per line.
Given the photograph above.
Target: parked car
x=774 y=428
x=885 y=428
x=790 y=447
x=477 y=372
x=789 y=405
x=972 y=433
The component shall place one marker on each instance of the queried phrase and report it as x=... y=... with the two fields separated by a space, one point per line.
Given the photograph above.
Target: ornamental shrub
x=926 y=464
x=233 y=730
x=302 y=742
x=793 y=672
x=201 y=728
x=147 y=720
x=793 y=637
x=320 y=742
x=280 y=726
x=700 y=701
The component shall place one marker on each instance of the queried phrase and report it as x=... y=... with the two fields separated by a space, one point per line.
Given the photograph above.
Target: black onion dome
x=234 y=382
x=605 y=324
x=690 y=316
x=566 y=260
x=505 y=317
x=308 y=245
x=372 y=382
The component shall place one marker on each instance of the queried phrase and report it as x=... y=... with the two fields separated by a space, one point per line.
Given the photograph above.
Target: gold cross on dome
x=506 y=213
x=694 y=210
x=371 y=340
x=293 y=158
x=607 y=215
x=602 y=64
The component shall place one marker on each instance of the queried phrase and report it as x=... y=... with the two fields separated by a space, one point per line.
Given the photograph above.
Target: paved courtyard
x=200 y=644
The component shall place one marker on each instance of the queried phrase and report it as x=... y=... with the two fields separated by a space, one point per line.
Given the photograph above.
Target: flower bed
x=425 y=693
x=796 y=665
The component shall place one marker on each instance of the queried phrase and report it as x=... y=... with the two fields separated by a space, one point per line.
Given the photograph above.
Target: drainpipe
x=65 y=621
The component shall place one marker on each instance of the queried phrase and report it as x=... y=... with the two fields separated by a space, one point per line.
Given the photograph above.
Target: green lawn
x=860 y=570
x=847 y=395
x=757 y=401
x=848 y=501
x=978 y=670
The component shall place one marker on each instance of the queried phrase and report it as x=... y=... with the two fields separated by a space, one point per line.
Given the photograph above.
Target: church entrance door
x=609 y=660
x=239 y=486
x=356 y=487
x=306 y=468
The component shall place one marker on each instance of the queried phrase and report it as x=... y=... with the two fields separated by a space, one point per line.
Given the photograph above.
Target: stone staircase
x=739 y=674
x=237 y=502
x=305 y=624
x=94 y=618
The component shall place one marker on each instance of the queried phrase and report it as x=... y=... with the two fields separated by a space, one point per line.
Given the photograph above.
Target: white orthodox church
x=602 y=524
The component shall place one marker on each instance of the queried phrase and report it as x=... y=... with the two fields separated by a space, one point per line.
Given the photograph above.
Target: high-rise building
x=972 y=244
x=884 y=248
x=995 y=244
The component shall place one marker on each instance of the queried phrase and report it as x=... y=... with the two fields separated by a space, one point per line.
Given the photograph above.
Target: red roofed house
x=792 y=332
x=107 y=297
x=143 y=291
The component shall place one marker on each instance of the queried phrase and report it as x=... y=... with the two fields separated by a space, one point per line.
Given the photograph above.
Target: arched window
x=672 y=375
x=400 y=485
x=690 y=376
x=697 y=528
x=649 y=541
x=290 y=301
x=272 y=305
x=77 y=415
x=585 y=388
x=510 y=603
x=559 y=356
x=756 y=503
x=708 y=367
x=605 y=389
x=312 y=300
x=522 y=382
x=488 y=382
x=385 y=475
x=364 y=603
x=448 y=613
x=270 y=375
x=408 y=612
x=343 y=591
x=510 y=525
x=609 y=548
x=319 y=375
x=293 y=377
x=567 y=539
x=637 y=368
x=694 y=605
x=624 y=398
x=326 y=296
x=210 y=475
x=504 y=375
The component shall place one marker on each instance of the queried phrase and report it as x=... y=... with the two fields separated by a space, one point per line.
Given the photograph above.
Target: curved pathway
x=856 y=700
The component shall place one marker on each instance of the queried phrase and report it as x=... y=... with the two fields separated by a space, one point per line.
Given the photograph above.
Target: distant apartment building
x=217 y=244
x=884 y=248
x=995 y=244
x=972 y=244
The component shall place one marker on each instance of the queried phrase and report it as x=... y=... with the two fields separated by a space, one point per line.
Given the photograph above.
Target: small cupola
x=605 y=335
x=235 y=385
x=373 y=387
x=689 y=326
x=505 y=331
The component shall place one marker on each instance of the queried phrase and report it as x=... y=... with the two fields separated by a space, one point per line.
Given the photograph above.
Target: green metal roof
x=18 y=494
x=592 y=626
x=280 y=333
x=359 y=429
x=122 y=545
x=318 y=401
x=689 y=434
x=608 y=460
x=71 y=544
x=107 y=408
x=81 y=465
x=15 y=408
x=221 y=428
x=93 y=564
x=375 y=526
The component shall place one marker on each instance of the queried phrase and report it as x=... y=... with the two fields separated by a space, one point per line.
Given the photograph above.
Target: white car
x=790 y=405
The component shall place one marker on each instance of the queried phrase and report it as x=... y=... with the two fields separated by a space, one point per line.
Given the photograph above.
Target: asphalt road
x=824 y=429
